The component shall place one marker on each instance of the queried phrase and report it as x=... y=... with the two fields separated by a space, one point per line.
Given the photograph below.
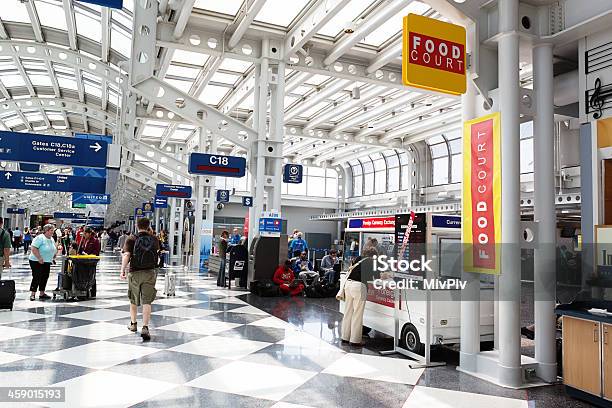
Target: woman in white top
x=103 y=240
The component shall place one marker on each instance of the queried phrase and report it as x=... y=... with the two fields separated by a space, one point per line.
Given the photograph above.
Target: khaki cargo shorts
x=141 y=287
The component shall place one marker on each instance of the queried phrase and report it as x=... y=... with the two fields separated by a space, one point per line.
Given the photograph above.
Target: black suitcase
x=7 y=294
x=267 y=289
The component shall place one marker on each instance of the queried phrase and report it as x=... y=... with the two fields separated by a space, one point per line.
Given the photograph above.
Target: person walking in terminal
x=297 y=245
x=27 y=240
x=43 y=253
x=303 y=268
x=222 y=247
x=104 y=237
x=285 y=279
x=140 y=254
x=16 y=239
x=235 y=237
x=328 y=263
x=5 y=248
x=355 y=293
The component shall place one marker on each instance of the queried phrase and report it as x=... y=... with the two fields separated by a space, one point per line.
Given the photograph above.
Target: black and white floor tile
x=210 y=347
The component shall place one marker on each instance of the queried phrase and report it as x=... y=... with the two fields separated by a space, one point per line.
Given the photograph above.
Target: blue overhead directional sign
x=223 y=196
x=138 y=212
x=70 y=151
x=147 y=207
x=118 y=4
x=171 y=190
x=69 y=215
x=217 y=165
x=160 y=202
x=247 y=201
x=15 y=210
x=51 y=182
x=88 y=198
x=292 y=173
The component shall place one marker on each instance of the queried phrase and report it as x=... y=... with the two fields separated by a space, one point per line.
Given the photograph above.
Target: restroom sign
x=433 y=55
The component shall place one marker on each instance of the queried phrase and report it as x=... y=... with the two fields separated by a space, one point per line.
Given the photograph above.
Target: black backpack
x=145 y=253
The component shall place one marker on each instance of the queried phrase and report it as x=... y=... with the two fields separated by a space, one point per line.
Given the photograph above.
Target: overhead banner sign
x=51 y=182
x=69 y=215
x=15 y=210
x=446 y=221
x=223 y=196
x=160 y=202
x=138 y=212
x=117 y=4
x=70 y=151
x=433 y=55
x=217 y=165
x=482 y=194
x=86 y=198
x=147 y=207
x=293 y=173
x=171 y=190
x=371 y=223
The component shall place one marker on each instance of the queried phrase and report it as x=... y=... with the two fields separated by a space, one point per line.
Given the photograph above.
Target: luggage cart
x=77 y=277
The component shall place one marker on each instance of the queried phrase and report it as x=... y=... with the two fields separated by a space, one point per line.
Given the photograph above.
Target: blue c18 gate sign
x=21 y=180
x=217 y=165
x=292 y=173
x=70 y=151
x=171 y=190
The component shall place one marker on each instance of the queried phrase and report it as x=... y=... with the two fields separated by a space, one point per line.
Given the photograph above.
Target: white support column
x=544 y=213
x=470 y=295
x=199 y=207
x=509 y=365
x=277 y=107
x=209 y=216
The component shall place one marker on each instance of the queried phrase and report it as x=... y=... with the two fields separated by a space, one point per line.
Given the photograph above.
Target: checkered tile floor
x=209 y=348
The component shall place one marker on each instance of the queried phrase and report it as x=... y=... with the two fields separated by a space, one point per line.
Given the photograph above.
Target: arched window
x=316 y=182
x=379 y=173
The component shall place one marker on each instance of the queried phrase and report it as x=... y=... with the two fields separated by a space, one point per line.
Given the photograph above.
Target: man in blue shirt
x=303 y=268
x=297 y=246
x=235 y=240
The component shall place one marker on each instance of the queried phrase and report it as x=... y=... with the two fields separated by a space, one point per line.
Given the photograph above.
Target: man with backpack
x=140 y=252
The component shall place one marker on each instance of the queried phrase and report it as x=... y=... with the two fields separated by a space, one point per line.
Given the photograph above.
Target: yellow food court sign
x=433 y=55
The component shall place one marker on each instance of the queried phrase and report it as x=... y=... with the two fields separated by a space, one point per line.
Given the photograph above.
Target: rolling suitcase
x=7 y=294
x=170 y=284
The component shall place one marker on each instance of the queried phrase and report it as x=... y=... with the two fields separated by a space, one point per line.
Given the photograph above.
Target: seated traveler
x=285 y=279
x=330 y=266
x=303 y=268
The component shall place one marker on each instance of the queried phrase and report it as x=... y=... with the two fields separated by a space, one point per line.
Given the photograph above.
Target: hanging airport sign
x=87 y=198
x=174 y=191
x=147 y=207
x=69 y=215
x=223 y=196
x=95 y=221
x=138 y=212
x=247 y=201
x=446 y=221
x=70 y=151
x=21 y=180
x=433 y=55
x=15 y=210
x=116 y=4
x=217 y=165
x=482 y=194
x=131 y=218
x=147 y=214
x=293 y=173
x=77 y=205
x=371 y=223
x=160 y=202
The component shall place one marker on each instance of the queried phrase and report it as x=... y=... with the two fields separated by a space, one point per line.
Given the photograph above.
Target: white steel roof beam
x=367 y=115
x=245 y=17
x=316 y=98
x=380 y=16
x=417 y=126
x=308 y=26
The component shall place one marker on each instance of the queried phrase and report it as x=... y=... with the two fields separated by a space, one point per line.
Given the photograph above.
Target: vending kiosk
x=428 y=313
